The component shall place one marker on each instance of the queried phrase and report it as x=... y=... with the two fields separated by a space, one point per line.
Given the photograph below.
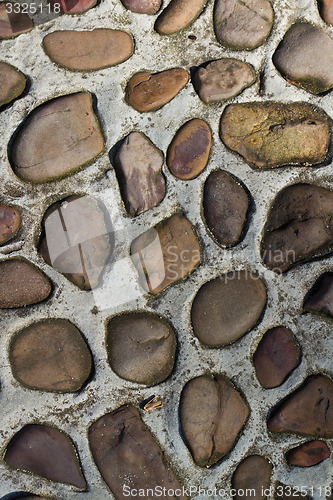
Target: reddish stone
x=9 y=223
x=12 y=23
x=74 y=6
x=142 y=6
x=308 y=454
x=320 y=299
x=326 y=10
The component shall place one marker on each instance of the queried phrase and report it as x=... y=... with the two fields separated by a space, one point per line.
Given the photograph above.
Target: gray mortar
x=73 y=414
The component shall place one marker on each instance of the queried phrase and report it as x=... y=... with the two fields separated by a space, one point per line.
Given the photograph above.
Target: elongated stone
x=320 y=297
x=212 y=414
x=74 y=6
x=12 y=83
x=326 y=10
x=47 y=452
x=142 y=6
x=301 y=59
x=88 y=50
x=308 y=454
x=9 y=223
x=13 y=23
x=138 y=163
x=50 y=355
x=57 y=138
x=253 y=475
x=189 y=150
x=227 y=307
x=178 y=15
x=148 y=92
x=123 y=448
x=270 y=134
x=21 y=284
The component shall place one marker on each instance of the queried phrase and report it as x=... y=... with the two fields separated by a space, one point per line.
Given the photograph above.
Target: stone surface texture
x=9 y=223
x=178 y=15
x=326 y=10
x=12 y=83
x=13 y=23
x=308 y=454
x=142 y=6
x=320 y=298
x=253 y=473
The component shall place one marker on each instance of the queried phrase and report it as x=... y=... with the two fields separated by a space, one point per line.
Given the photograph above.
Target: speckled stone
x=320 y=297
x=178 y=15
x=253 y=473
x=222 y=79
x=57 y=138
x=88 y=50
x=308 y=454
x=142 y=6
x=227 y=307
x=74 y=6
x=271 y=134
x=13 y=24
x=225 y=207
x=148 y=92
x=326 y=10
x=212 y=414
x=9 y=223
x=242 y=25
x=138 y=164
x=189 y=150
x=12 y=83
x=302 y=59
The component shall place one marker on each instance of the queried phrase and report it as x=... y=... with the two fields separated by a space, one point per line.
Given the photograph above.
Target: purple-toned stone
x=9 y=223
x=142 y=6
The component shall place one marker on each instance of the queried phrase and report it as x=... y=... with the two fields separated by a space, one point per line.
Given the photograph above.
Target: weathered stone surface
x=225 y=207
x=307 y=411
x=189 y=150
x=142 y=6
x=320 y=297
x=50 y=355
x=12 y=23
x=299 y=226
x=45 y=451
x=88 y=50
x=76 y=239
x=253 y=473
x=148 y=92
x=178 y=15
x=326 y=10
x=222 y=79
x=212 y=414
x=12 y=83
x=227 y=307
x=308 y=454
x=74 y=6
x=166 y=253
x=242 y=24
x=138 y=164
x=57 y=138
x=9 y=223
x=123 y=448
x=21 y=284
x=301 y=60
x=141 y=347
x=270 y=134
x=277 y=355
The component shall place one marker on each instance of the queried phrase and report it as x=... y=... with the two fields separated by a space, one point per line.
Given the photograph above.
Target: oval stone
x=242 y=25
x=57 y=138
x=148 y=92
x=253 y=473
x=12 y=83
x=225 y=206
x=13 y=23
x=227 y=307
x=142 y=6
x=50 y=355
x=270 y=134
x=141 y=347
x=88 y=50
x=21 y=284
x=178 y=15
x=189 y=150
x=320 y=298
x=9 y=223
x=326 y=10
x=223 y=79
x=308 y=454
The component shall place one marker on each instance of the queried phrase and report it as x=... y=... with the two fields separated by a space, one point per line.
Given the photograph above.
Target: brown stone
x=270 y=134
x=178 y=15
x=12 y=23
x=225 y=207
x=148 y=92
x=166 y=253
x=138 y=164
x=253 y=475
x=76 y=240
x=57 y=138
x=277 y=355
x=307 y=411
x=302 y=60
x=21 y=284
x=320 y=297
x=326 y=10
x=189 y=150
x=47 y=452
x=12 y=83
x=227 y=307
x=212 y=415
x=222 y=79
x=242 y=25
x=50 y=355
x=88 y=50
x=308 y=454
x=141 y=347
x=124 y=449
x=74 y=6
x=142 y=6
x=299 y=226
x=9 y=223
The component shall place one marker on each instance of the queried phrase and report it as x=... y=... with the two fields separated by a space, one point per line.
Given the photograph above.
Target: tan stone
x=12 y=83
x=178 y=15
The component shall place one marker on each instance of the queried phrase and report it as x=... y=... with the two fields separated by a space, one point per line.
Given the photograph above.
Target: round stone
x=9 y=223
x=253 y=473
x=178 y=15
